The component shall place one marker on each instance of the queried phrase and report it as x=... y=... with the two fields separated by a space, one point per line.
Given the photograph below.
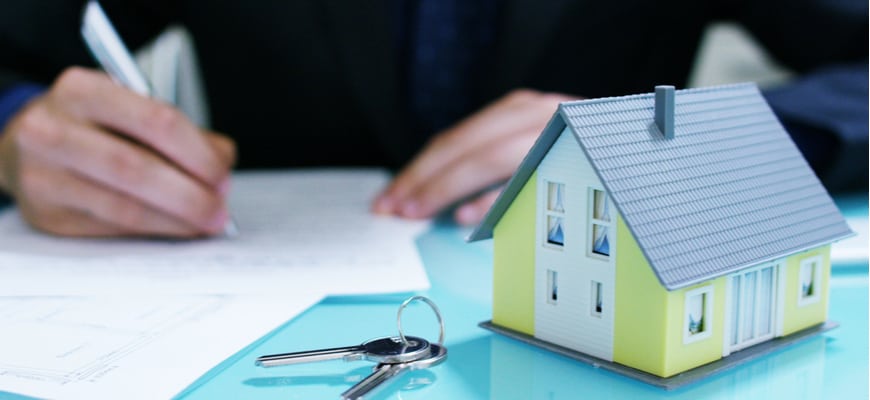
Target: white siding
x=570 y=322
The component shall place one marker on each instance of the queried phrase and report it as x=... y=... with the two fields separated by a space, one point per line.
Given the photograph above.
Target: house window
x=552 y=286
x=600 y=228
x=555 y=214
x=597 y=305
x=810 y=281
x=698 y=314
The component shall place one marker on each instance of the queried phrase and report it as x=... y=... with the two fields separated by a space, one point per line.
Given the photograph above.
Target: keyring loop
x=434 y=308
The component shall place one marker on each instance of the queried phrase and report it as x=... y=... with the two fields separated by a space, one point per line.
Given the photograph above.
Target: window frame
x=592 y=221
x=549 y=213
x=596 y=291
x=707 y=314
x=552 y=283
x=814 y=262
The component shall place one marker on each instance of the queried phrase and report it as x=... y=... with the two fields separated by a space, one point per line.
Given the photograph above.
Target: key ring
x=434 y=308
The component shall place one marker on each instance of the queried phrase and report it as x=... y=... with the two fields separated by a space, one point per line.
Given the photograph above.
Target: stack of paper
x=89 y=318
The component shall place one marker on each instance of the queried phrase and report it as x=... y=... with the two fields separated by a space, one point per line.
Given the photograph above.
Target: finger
x=472 y=212
x=486 y=166
x=224 y=146
x=226 y=149
x=127 y=168
x=128 y=215
x=520 y=111
x=67 y=222
x=92 y=96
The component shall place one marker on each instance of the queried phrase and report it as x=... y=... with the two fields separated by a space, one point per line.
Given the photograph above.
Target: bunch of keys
x=395 y=355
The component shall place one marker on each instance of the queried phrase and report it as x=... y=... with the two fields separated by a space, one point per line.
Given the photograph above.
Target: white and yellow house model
x=662 y=231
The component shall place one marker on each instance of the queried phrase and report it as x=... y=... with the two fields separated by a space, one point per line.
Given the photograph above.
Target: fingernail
x=219 y=221
x=467 y=215
x=412 y=209
x=383 y=205
x=224 y=186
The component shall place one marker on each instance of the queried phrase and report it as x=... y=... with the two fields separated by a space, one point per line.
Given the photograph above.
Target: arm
x=825 y=107
x=11 y=101
x=810 y=36
x=826 y=113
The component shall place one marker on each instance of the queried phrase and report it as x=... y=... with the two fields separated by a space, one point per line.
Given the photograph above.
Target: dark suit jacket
x=314 y=82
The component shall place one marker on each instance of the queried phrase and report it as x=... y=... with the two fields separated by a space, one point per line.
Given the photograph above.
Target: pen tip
x=231 y=229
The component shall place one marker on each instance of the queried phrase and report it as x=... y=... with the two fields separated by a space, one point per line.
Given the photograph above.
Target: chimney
x=664 y=110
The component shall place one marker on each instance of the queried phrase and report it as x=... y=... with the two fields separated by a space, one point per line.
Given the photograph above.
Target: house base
x=681 y=379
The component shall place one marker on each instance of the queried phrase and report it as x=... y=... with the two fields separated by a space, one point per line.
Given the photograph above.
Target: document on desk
x=854 y=249
x=309 y=228
x=131 y=347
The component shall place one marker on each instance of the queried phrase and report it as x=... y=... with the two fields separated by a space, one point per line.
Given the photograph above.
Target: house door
x=752 y=307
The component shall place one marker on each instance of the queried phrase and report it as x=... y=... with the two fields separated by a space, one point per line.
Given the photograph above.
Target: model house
x=662 y=231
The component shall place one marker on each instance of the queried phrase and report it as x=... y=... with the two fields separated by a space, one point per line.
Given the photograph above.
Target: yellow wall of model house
x=641 y=308
x=649 y=320
x=513 y=290
x=681 y=356
x=795 y=316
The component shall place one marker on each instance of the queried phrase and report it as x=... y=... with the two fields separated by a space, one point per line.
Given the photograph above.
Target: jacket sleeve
x=826 y=112
x=825 y=108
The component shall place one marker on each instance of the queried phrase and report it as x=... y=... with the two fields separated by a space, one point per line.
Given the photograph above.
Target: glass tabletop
x=485 y=365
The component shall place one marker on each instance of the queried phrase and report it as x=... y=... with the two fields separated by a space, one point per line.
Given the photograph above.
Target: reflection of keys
x=345 y=380
x=384 y=372
x=407 y=383
x=387 y=350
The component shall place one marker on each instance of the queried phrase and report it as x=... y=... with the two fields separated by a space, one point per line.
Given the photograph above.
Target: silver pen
x=110 y=52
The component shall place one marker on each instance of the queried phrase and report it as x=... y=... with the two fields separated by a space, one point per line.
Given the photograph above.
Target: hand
x=91 y=158
x=475 y=154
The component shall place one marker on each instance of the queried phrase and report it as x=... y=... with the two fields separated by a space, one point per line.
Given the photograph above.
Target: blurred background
x=728 y=54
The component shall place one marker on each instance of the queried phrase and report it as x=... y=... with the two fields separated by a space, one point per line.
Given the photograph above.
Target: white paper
x=297 y=229
x=131 y=347
x=128 y=319
x=854 y=249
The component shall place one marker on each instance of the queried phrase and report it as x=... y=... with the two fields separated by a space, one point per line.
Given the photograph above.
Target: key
x=384 y=372
x=387 y=350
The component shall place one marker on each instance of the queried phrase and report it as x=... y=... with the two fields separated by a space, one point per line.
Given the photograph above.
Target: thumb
x=224 y=146
x=473 y=211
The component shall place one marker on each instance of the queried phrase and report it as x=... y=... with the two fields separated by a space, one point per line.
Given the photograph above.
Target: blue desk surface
x=484 y=365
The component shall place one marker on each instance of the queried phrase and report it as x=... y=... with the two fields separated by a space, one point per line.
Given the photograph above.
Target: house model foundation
x=662 y=232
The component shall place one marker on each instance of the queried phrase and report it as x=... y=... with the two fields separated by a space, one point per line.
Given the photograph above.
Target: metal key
x=387 y=350
x=385 y=371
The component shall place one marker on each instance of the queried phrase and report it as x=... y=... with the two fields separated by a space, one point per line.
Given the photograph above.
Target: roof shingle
x=729 y=191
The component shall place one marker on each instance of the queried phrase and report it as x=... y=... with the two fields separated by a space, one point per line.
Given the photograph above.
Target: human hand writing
x=476 y=153
x=91 y=158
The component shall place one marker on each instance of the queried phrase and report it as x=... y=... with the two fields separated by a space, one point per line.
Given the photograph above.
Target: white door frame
x=775 y=307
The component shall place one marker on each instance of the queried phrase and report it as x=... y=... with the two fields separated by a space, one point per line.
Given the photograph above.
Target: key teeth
x=267 y=363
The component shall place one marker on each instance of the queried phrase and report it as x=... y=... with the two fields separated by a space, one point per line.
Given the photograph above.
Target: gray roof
x=731 y=190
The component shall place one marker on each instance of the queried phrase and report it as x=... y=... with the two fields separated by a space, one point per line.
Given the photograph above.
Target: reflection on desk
x=483 y=365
